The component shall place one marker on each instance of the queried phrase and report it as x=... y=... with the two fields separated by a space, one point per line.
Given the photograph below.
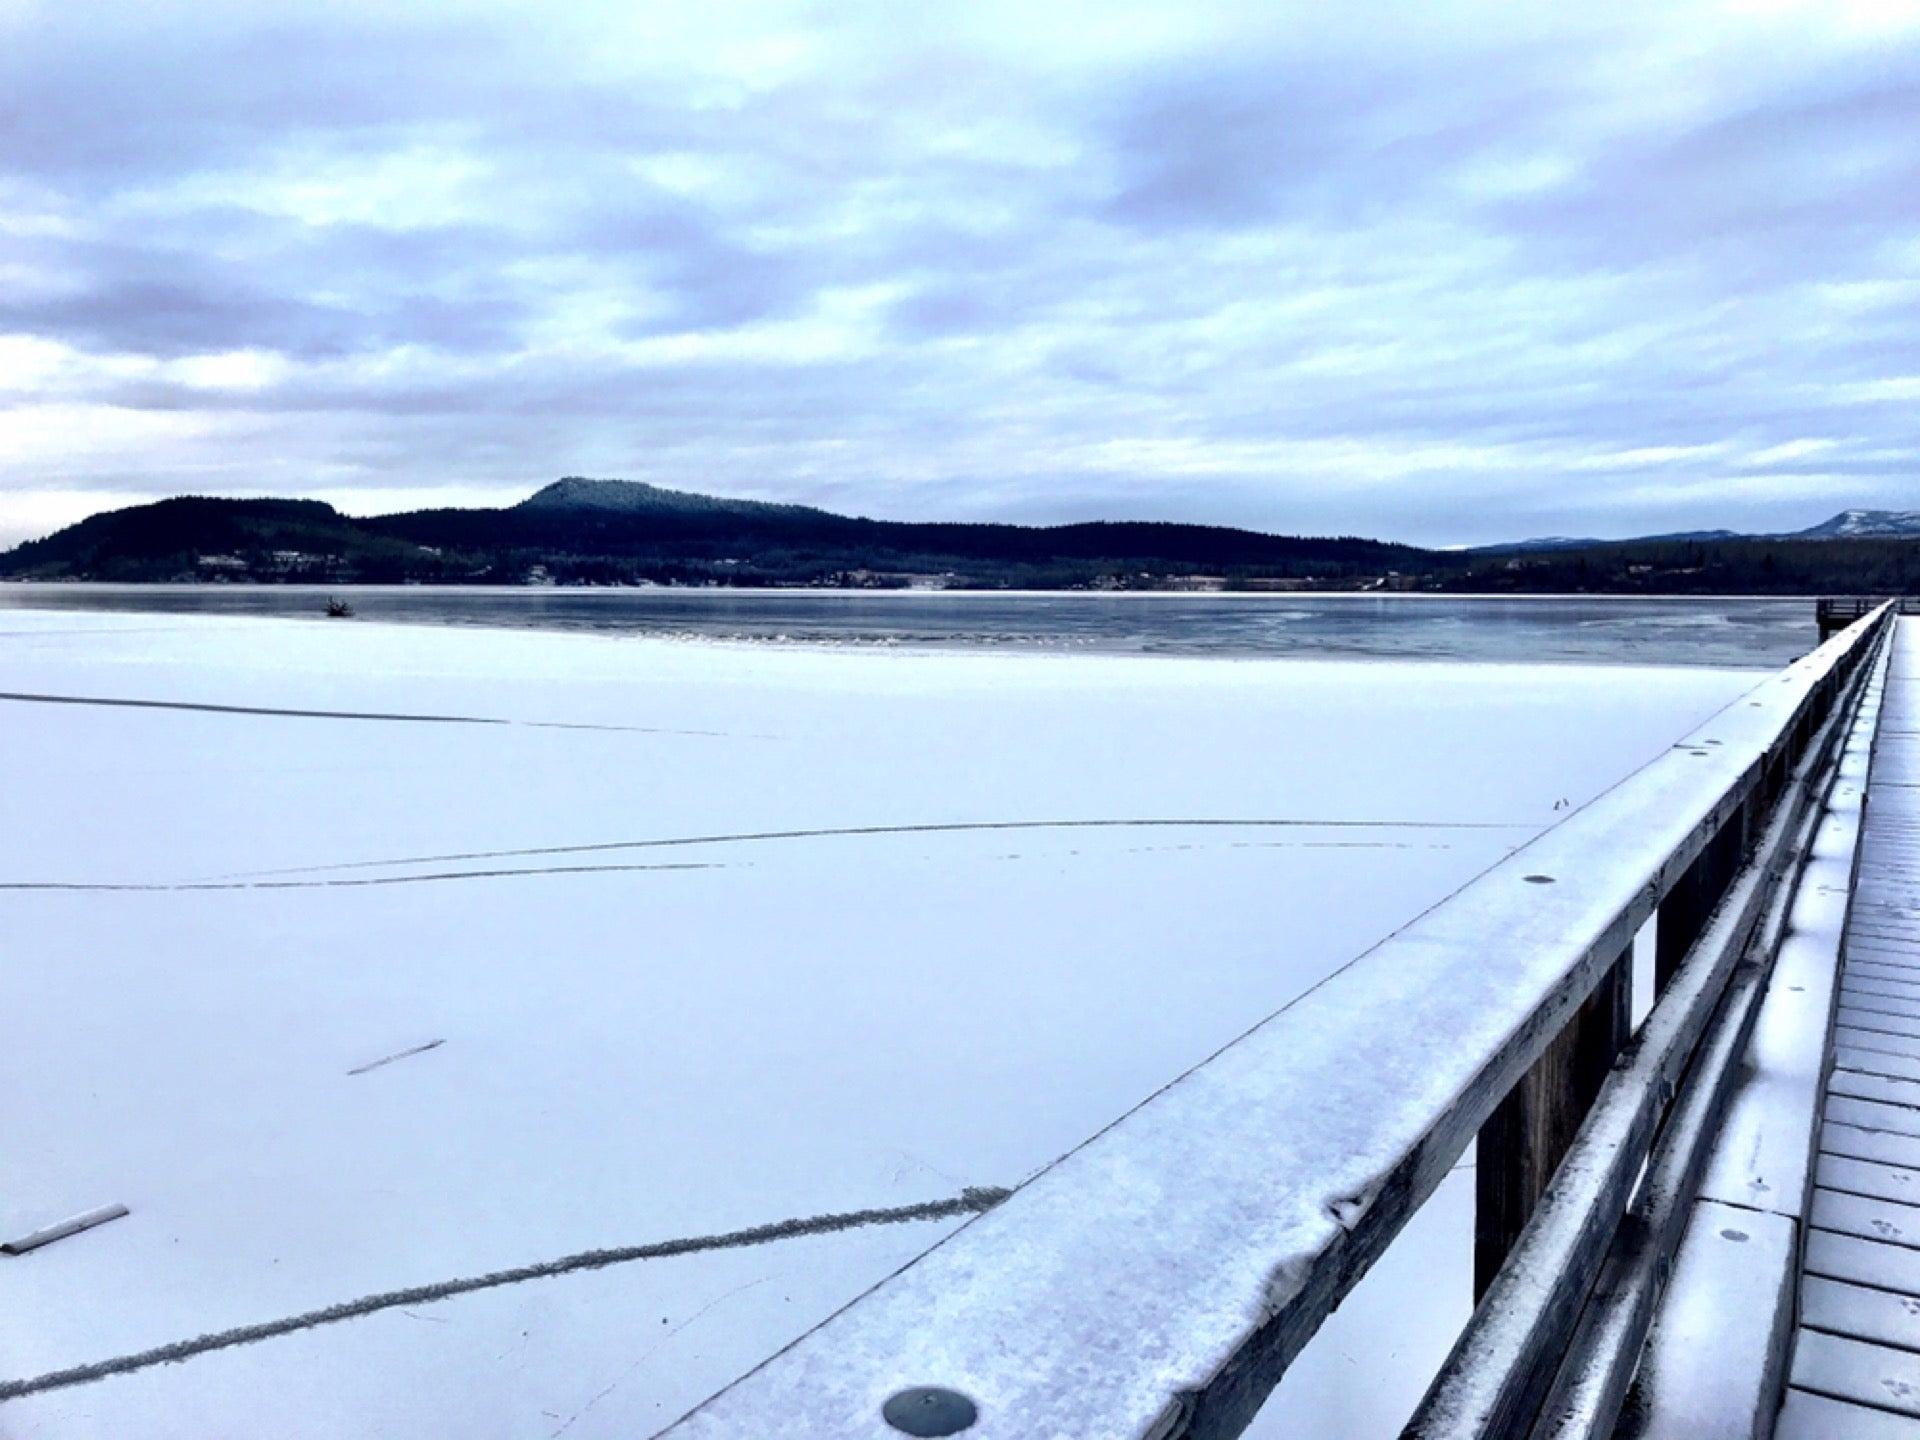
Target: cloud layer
x=1443 y=274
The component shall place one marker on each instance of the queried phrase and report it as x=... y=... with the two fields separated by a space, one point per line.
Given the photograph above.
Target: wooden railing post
x=1679 y=920
x=1522 y=1142
x=1685 y=909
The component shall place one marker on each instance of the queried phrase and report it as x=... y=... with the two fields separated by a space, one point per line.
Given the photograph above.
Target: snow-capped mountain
x=1865 y=524
x=1847 y=525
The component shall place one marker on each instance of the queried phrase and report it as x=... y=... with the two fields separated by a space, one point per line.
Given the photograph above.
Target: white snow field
x=671 y=941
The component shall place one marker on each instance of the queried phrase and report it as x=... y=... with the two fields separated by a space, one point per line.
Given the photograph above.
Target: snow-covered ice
x=702 y=937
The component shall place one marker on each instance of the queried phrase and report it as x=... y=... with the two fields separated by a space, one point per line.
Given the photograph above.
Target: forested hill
x=584 y=531
x=579 y=531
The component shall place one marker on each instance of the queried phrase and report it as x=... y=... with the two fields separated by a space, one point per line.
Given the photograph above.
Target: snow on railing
x=1157 y=1281
x=1554 y=1343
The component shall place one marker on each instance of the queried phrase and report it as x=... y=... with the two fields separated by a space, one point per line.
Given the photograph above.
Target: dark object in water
x=339 y=610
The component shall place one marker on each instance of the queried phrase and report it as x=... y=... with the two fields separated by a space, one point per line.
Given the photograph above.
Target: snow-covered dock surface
x=1714 y=1364
x=1856 y=1361
x=1801 y=1267
x=356 y=960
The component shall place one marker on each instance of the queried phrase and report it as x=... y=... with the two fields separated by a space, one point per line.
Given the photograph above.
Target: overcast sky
x=1434 y=272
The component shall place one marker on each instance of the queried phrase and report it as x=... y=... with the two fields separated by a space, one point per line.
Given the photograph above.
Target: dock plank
x=1880 y=1146
x=1879 y=1023
x=1879 y=1266
x=1893 y=1118
x=1888 y=986
x=1864 y=1314
x=1879 y=1002
x=1876 y=1062
x=1820 y=1417
x=1857 y=1370
x=1865 y=1085
x=1877 y=1040
x=1867 y=1177
x=1880 y=966
x=1888 y=1221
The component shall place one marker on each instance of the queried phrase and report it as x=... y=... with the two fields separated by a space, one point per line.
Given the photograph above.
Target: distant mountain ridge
x=579 y=530
x=1587 y=542
x=585 y=531
x=1847 y=525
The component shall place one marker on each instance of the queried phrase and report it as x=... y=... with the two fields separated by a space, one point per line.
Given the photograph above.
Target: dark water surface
x=1728 y=632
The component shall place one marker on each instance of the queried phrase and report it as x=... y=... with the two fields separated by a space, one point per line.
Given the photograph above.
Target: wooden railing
x=1553 y=1343
x=1836 y=613
x=1157 y=1281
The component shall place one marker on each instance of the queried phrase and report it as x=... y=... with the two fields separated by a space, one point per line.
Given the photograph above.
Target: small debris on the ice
x=397 y=1055
x=86 y=1220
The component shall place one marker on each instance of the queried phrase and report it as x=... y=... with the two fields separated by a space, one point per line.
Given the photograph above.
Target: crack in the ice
x=246 y=709
x=158 y=887
x=651 y=1350
x=974 y=1200
x=209 y=708
x=931 y=828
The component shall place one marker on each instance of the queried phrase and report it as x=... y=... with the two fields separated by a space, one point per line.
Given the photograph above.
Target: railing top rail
x=1858 y=605
x=1156 y=1281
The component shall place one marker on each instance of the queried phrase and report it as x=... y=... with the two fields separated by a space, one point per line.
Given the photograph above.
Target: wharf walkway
x=1794 y=1306
x=1855 y=1369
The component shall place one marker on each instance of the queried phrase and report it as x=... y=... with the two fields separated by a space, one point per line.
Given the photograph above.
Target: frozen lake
x=1528 y=630
x=360 y=960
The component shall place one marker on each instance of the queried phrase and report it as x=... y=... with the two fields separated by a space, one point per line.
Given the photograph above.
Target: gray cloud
x=1807 y=184
x=1441 y=279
